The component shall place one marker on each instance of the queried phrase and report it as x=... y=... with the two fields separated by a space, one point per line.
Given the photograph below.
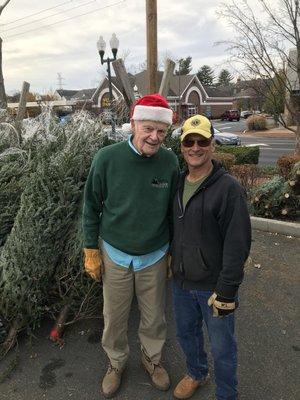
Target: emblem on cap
x=195 y=122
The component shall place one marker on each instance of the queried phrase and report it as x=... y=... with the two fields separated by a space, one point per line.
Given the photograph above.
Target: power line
x=39 y=12
x=50 y=16
x=63 y=20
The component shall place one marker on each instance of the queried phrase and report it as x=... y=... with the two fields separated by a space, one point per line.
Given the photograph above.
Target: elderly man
x=212 y=238
x=128 y=200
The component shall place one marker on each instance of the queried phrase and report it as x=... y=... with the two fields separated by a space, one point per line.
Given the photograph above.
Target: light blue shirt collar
x=132 y=146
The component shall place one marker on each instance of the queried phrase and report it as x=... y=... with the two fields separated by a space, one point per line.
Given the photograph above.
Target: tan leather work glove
x=221 y=307
x=93 y=263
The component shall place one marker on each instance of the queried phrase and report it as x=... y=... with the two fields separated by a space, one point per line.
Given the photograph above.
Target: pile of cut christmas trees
x=280 y=196
x=42 y=176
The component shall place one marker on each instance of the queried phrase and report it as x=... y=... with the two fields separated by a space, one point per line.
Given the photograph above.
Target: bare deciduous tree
x=261 y=49
x=3 y=102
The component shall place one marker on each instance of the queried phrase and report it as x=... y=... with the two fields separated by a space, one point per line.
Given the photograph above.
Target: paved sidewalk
x=267 y=325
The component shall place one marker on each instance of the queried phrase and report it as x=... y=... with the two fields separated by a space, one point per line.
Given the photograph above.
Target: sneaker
x=187 y=387
x=111 y=382
x=159 y=376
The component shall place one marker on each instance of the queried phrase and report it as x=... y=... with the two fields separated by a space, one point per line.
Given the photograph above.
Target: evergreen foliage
x=206 y=75
x=71 y=286
x=243 y=154
x=13 y=169
x=185 y=66
x=224 y=78
x=45 y=221
x=278 y=198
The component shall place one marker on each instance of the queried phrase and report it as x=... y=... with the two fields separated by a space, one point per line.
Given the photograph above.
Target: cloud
x=185 y=28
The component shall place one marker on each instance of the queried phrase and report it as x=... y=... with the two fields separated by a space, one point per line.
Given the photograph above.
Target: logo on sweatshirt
x=158 y=183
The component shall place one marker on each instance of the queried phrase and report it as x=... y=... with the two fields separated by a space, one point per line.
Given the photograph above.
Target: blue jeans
x=191 y=308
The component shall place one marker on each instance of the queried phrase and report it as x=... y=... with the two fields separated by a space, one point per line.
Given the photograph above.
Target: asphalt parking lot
x=271 y=147
x=267 y=327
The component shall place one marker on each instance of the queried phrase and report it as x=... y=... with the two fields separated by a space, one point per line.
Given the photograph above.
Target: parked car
x=225 y=138
x=230 y=115
x=221 y=138
x=245 y=114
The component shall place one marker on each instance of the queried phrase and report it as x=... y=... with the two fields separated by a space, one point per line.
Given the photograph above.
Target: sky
x=44 y=38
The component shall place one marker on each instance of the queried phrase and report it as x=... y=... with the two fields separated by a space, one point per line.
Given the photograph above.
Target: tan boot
x=111 y=382
x=158 y=374
x=187 y=387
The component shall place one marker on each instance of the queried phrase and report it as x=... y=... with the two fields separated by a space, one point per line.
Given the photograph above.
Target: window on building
x=192 y=110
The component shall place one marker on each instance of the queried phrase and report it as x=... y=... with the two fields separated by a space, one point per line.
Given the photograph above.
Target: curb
x=276 y=226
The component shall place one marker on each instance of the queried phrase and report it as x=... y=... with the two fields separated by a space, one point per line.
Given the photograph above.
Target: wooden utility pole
x=151 y=19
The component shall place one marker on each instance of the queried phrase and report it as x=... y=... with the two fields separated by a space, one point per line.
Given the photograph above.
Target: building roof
x=84 y=94
x=177 y=83
x=248 y=92
x=67 y=94
x=219 y=91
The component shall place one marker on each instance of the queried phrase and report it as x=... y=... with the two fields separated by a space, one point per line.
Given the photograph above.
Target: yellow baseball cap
x=197 y=124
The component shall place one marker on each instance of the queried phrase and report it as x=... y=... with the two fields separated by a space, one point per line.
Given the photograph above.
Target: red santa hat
x=152 y=107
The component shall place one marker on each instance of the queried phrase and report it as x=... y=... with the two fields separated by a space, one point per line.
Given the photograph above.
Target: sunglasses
x=200 y=142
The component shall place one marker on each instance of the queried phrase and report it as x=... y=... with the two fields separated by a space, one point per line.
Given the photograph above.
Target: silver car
x=224 y=138
x=221 y=138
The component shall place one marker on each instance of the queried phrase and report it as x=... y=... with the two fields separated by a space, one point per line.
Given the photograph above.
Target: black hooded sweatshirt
x=212 y=235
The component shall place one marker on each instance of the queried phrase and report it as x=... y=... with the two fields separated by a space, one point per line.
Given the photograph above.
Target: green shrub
x=269 y=170
x=256 y=123
x=247 y=174
x=174 y=144
x=243 y=154
x=227 y=160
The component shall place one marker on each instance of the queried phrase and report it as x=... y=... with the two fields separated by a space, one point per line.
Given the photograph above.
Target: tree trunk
x=3 y=101
x=297 y=140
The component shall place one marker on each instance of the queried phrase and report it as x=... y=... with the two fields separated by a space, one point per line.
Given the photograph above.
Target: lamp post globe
x=114 y=44
x=101 y=46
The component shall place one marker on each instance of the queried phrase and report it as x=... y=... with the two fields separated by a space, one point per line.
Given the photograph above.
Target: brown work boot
x=158 y=374
x=187 y=387
x=111 y=382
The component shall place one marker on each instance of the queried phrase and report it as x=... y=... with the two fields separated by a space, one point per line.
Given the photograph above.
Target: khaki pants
x=119 y=285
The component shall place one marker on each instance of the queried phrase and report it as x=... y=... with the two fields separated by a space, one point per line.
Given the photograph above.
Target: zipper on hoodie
x=182 y=211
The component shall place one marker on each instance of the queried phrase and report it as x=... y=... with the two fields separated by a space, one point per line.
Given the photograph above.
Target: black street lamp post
x=101 y=45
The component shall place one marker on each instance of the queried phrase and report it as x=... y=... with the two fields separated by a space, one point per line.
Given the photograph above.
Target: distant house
x=186 y=96
x=63 y=94
x=250 y=94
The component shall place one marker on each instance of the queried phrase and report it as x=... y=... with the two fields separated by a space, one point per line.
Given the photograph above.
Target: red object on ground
x=54 y=334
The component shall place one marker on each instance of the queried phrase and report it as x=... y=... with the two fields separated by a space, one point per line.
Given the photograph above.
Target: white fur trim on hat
x=151 y=113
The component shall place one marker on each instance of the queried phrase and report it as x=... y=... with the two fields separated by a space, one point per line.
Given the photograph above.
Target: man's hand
x=221 y=306
x=93 y=263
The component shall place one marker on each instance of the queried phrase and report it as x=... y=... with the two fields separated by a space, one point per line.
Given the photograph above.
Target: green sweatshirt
x=128 y=199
